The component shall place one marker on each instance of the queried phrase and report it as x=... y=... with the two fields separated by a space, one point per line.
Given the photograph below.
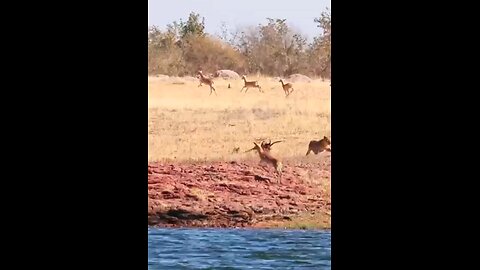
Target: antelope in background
x=252 y=84
x=286 y=88
x=207 y=81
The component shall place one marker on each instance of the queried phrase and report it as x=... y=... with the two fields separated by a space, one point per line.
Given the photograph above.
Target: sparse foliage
x=193 y=27
x=272 y=49
x=320 y=52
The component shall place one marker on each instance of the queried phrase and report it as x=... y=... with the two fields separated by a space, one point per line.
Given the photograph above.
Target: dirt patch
x=231 y=194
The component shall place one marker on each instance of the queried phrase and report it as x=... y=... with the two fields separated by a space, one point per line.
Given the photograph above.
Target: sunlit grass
x=186 y=123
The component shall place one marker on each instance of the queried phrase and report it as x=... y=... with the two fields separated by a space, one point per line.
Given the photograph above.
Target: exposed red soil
x=231 y=194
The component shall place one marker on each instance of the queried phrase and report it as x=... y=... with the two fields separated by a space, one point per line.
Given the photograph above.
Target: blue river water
x=238 y=249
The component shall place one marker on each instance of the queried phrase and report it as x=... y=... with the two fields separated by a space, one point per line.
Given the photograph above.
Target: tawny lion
x=319 y=146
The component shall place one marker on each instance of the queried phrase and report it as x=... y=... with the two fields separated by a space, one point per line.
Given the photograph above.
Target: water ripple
x=238 y=249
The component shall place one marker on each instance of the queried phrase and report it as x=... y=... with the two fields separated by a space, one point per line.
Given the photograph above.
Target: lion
x=319 y=146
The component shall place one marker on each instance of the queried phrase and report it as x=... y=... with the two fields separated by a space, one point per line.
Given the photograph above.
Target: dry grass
x=304 y=221
x=185 y=123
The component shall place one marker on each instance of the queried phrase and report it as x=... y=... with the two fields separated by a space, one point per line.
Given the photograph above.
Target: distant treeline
x=272 y=49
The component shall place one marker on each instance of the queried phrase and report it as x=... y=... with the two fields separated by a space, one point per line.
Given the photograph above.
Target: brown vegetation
x=272 y=49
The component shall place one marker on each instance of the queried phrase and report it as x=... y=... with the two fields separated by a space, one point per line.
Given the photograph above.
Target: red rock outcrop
x=231 y=194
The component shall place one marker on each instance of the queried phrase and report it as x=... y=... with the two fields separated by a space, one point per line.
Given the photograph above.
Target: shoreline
x=327 y=230
x=239 y=195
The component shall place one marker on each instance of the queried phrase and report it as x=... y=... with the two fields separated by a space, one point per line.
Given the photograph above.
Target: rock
x=226 y=74
x=234 y=194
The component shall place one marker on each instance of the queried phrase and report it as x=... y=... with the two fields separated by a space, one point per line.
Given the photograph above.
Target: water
x=238 y=249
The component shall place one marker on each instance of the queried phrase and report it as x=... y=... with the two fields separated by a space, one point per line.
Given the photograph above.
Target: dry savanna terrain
x=196 y=178
x=186 y=123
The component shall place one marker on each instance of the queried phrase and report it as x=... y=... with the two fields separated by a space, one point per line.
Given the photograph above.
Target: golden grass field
x=188 y=124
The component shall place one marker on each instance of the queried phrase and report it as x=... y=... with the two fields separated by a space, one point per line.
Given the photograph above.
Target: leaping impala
x=266 y=157
x=286 y=88
x=268 y=146
x=206 y=81
x=252 y=84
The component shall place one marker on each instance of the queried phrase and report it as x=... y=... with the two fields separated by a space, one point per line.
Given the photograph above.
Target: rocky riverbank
x=240 y=194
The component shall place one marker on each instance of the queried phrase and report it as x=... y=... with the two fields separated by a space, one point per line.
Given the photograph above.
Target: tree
x=193 y=27
x=273 y=48
x=325 y=23
x=321 y=47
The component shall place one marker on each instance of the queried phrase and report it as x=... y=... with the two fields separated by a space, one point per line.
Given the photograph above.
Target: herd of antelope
x=264 y=149
x=287 y=87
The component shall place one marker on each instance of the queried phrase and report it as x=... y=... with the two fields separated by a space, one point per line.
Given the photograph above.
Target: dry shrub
x=272 y=49
x=210 y=54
